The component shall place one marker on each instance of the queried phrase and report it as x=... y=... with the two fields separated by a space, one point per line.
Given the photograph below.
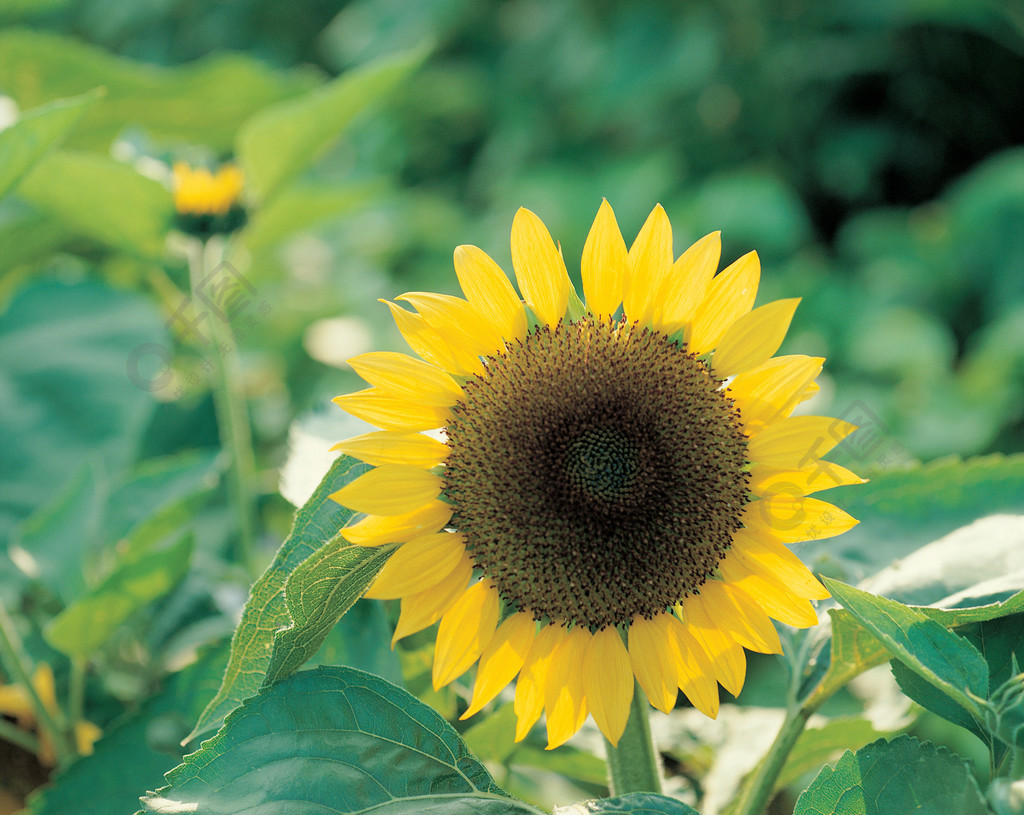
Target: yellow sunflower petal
x=686 y=284
x=762 y=552
x=769 y=392
x=376 y=530
x=381 y=408
x=427 y=607
x=778 y=601
x=465 y=630
x=821 y=475
x=608 y=682
x=564 y=697
x=695 y=675
x=727 y=659
x=791 y=520
x=653 y=665
x=753 y=338
x=489 y=290
x=457 y=321
x=391 y=489
x=736 y=612
x=421 y=563
x=529 y=699
x=428 y=343
x=539 y=267
x=730 y=296
x=650 y=258
x=407 y=378
x=502 y=659
x=395 y=447
x=604 y=264
x=797 y=441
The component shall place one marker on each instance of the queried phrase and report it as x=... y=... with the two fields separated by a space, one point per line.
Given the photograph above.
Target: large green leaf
x=66 y=392
x=84 y=626
x=901 y=777
x=938 y=655
x=339 y=740
x=266 y=611
x=202 y=103
x=102 y=199
x=317 y=594
x=635 y=803
x=278 y=143
x=35 y=133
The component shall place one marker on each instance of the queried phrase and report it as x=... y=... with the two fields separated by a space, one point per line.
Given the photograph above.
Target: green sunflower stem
x=756 y=793
x=230 y=407
x=634 y=765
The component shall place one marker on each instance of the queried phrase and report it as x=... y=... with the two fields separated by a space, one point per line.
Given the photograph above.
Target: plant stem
x=229 y=403
x=634 y=765
x=14 y=662
x=15 y=735
x=756 y=793
x=76 y=692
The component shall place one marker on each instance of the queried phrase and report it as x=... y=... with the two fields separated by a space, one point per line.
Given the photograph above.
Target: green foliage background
x=872 y=153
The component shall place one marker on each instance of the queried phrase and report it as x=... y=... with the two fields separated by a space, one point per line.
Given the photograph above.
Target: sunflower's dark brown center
x=597 y=471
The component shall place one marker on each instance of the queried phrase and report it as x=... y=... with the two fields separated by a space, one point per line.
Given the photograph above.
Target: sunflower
x=614 y=482
x=208 y=202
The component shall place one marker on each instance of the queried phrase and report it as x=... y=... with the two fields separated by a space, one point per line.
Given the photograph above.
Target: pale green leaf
x=84 y=626
x=35 y=134
x=278 y=143
x=102 y=199
x=938 y=655
x=317 y=594
x=336 y=739
x=901 y=777
x=204 y=102
x=266 y=612
x=303 y=206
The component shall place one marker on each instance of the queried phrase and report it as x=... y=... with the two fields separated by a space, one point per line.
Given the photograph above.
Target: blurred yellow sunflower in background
x=208 y=202
x=615 y=480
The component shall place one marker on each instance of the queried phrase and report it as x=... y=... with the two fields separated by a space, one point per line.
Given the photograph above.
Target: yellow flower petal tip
x=602 y=501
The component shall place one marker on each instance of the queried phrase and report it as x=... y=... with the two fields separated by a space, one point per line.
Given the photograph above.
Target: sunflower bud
x=1004 y=714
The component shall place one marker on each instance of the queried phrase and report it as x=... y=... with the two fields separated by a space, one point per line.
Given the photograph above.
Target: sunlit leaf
x=201 y=103
x=266 y=612
x=102 y=199
x=278 y=143
x=317 y=594
x=937 y=654
x=36 y=133
x=84 y=626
